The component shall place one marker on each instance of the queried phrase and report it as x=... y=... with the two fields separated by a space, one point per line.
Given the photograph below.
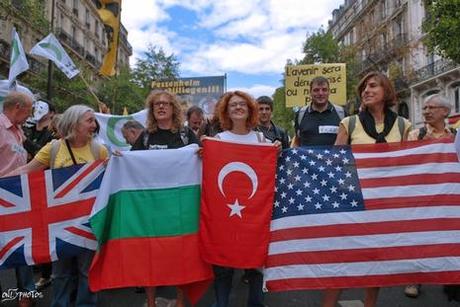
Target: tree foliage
x=320 y=47
x=282 y=115
x=155 y=65
x=442 y=27
x=121 y=91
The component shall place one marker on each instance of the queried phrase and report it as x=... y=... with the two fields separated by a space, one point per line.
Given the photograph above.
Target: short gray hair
x=69 y=120
x=441 y=100
x=132 y=124
x=16 y=97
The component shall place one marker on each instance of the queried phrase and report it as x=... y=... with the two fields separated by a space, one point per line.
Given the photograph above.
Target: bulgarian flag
x=146 y=219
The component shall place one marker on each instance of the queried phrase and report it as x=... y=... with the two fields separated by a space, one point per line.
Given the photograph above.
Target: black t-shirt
x=165 y=139
x=318 y=128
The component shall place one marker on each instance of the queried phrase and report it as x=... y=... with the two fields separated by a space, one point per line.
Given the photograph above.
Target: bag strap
x=55 y=145
x=340 y=111
x=401 y=126
x=70 y=152
x=421 y=133
x=95 y=150
x=351 y=126
x=300 y=116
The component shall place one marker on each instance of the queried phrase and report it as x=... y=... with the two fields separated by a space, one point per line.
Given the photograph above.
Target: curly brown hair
x=225 y=121
x=152 y=125
x=389 y=97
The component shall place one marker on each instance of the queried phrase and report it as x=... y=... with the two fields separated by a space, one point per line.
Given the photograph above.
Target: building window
x=456 y=97
x=87 y=19
x=74 y=33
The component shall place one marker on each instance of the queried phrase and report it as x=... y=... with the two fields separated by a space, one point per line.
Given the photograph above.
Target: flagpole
x=89 y=89
x=49 y=88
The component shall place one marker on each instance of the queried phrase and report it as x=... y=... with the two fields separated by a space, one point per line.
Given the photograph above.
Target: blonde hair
x=152 y=124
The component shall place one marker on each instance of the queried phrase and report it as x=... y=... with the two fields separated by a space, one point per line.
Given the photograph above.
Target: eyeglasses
x=429 y=108
x=242 y=104
x=157 y=104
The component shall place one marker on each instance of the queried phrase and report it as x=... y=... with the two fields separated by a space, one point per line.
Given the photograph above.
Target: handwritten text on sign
x=298 y=79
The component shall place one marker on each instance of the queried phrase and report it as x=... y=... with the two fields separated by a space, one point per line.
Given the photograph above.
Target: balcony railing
x=433 y=69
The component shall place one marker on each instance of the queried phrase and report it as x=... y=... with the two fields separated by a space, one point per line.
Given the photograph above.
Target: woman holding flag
x=238 y=116
x=76 y=127
x=375 y=123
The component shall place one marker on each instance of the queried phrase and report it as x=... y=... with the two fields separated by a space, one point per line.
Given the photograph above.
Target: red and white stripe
x=409 y=233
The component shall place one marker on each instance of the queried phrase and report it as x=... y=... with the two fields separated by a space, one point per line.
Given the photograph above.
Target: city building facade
x=387 y=36
x=76 y=24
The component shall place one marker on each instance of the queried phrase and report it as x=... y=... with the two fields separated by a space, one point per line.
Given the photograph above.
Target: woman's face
x=238 y=109
x=373 y=93
x=162 y=108
x=86 y=125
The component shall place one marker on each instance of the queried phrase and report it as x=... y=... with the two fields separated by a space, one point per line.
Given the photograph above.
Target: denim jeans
x=223 y=286
x=65 y=273
x=25 y=278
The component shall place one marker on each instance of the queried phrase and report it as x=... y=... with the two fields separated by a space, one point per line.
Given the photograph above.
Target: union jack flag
x=44 y=215
x=369 y=215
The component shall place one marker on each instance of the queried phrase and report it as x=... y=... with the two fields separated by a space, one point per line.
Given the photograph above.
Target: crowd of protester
x=33 y=137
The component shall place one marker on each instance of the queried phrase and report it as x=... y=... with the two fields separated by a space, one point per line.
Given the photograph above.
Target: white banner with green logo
x=50 y=48
x=18 y=59
x=110 y=128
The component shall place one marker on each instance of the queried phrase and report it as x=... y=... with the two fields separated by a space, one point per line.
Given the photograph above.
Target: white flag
x=50 y=48
x=18 y=59
x=110 y=128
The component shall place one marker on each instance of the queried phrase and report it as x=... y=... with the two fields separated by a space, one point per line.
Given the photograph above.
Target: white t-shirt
x=251 y=137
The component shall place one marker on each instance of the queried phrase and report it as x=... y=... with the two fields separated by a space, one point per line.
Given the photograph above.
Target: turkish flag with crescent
x=236 y=202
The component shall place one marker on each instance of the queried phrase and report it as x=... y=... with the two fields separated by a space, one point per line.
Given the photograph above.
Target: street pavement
x=431 y=296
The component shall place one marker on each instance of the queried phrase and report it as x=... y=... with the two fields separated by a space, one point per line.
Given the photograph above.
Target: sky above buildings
x=249 y=40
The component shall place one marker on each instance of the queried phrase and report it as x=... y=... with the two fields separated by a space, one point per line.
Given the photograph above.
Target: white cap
x=41 y=108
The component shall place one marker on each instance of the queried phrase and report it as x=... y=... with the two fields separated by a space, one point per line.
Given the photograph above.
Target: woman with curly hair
x=165 y=128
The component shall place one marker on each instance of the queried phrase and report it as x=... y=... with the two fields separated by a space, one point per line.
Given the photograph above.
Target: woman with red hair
x=238 y=116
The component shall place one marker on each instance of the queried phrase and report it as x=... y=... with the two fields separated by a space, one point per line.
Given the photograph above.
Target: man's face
x=22 y=113
x=319 y=94
x=434 y=113
x=195 y=121
x=265 y=113
x=131 y=135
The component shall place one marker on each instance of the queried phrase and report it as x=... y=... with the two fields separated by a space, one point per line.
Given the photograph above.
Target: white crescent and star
x=231 y=167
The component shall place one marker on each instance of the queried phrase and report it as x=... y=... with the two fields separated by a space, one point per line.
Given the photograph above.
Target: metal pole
x=49 y=92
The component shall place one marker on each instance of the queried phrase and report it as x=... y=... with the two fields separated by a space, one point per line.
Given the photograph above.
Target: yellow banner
x=109 y=11
x=298 y=79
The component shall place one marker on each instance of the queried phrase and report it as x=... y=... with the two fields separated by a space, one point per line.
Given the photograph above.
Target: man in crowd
x=318 y=123
x=266 y=126
x=132 y=130
x=435 y=110
x=17 y=107
x=195 y=120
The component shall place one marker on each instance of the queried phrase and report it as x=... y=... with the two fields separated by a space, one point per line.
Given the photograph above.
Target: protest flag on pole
x=50 y=48
x=18 y=59
x=109 y=11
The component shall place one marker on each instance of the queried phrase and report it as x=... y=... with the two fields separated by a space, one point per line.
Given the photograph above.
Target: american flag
x=44 y=215
x=369 y=215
